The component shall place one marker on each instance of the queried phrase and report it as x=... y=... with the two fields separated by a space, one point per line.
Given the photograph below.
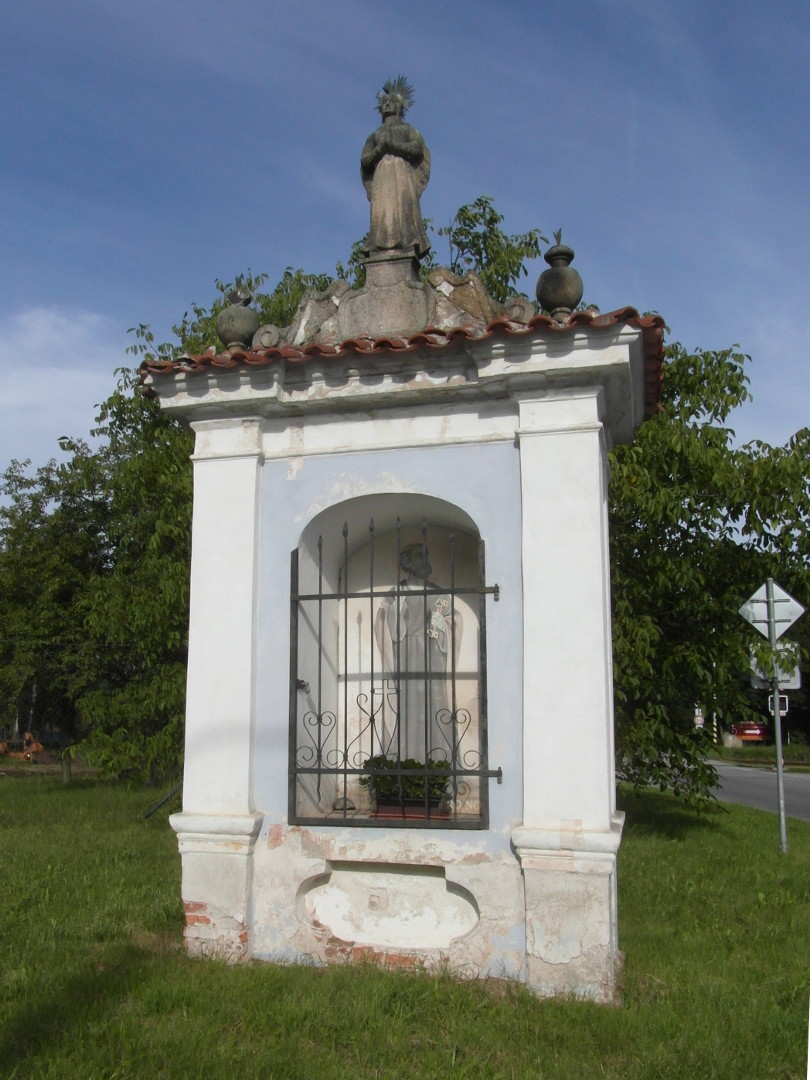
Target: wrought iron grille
x=388 y=680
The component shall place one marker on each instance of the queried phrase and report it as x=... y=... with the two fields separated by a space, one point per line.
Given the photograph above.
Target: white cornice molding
x=233 y=834
x=467 y=372
x=533 y=842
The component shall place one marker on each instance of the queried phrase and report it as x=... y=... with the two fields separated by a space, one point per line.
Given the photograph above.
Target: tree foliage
x=197 y=330
x=94 y=580
x=51 y=538
x=478 y=243
x=697 y=525
x=135 y=713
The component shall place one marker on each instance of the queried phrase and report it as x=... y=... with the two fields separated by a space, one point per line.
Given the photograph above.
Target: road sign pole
x=777 y=720
x=768 y=596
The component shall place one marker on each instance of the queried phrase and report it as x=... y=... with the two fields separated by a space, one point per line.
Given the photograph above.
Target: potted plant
x=400 y=788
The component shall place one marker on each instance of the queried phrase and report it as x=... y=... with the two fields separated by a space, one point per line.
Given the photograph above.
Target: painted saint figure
x=395 y=167
x=416 y=633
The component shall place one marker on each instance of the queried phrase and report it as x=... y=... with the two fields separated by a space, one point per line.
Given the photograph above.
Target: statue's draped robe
x=394 y=186
x=415 y=634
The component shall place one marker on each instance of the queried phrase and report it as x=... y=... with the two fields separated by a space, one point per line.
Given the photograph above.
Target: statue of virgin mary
x=395 y=167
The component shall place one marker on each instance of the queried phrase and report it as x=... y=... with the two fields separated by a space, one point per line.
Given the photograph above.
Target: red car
x=750 y=731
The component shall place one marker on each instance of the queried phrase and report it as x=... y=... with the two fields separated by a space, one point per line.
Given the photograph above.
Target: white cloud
x=55 y=368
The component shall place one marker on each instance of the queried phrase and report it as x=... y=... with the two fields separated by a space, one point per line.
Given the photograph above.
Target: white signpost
x=773 y=611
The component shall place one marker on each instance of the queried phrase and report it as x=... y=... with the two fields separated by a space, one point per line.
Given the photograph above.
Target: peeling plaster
x=389 y=906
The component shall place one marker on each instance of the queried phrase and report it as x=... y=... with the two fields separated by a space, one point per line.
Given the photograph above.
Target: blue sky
x=152 y=147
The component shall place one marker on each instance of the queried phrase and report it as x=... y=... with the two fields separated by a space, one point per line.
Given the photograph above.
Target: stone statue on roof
x=395 y=167
x=394 y=300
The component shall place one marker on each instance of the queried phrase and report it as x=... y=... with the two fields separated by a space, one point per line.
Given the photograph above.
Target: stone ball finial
x=560 y=288
x=237 y=323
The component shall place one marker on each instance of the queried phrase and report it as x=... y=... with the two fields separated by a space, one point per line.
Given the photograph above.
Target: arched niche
x=387 y=702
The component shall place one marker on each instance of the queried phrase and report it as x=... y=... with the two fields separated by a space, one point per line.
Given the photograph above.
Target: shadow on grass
x=657 y=813
x=73 y=1002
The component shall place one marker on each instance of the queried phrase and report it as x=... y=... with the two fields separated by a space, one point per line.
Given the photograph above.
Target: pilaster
x=567 y=691
x=217 y=881
x=569 y=884
x=216 y=830
x=570 y=834
x=222 y=631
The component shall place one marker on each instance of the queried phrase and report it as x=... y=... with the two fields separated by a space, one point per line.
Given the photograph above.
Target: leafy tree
x=51 y=539
x=354 y=271
x=477 y=242
x=94 y=583
x=135 y=610
x=197 y=331
x=696 y=526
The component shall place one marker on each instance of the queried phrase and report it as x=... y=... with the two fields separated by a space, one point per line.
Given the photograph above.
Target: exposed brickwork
x=209 y=933
x=197 y=920
x=343 y=952
x=275 y=836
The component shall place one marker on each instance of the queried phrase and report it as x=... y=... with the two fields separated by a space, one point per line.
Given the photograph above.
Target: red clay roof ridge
x=435 y=338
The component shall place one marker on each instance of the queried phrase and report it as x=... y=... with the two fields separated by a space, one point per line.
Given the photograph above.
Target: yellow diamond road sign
x=786 y=610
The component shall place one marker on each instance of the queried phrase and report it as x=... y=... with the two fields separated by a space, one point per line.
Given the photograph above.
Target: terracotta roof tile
x=652 y=327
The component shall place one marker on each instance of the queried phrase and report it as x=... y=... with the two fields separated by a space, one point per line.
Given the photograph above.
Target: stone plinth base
x=569 y=881
x=547 y=918
x=392 y=302
x=216 y=881
x=289 y=894
x=422 y=898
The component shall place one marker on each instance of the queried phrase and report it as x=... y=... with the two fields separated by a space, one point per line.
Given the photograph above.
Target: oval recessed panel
x=399 y=907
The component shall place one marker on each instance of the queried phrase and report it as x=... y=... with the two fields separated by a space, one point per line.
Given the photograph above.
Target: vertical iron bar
x=483 y=736
x=319 y=721
x=345 y=660
x=292 y=793
x=426 y=653
x=453 y=701
x=371 y=631
x=398 y=677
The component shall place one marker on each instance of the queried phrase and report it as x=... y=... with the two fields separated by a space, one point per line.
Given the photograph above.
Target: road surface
x=757 y=787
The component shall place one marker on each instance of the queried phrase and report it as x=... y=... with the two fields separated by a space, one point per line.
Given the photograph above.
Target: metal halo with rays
x=398 y=89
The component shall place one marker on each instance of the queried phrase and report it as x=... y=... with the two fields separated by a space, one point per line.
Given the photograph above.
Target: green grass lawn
x=715 y=924
x=757 y=754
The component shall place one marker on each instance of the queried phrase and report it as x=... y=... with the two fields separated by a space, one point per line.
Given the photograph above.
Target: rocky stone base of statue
x=393 y=302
